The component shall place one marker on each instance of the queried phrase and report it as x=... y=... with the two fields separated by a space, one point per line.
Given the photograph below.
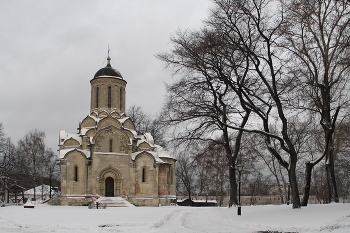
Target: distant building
x=15 y=194
x=42 y=193
x=107 y=157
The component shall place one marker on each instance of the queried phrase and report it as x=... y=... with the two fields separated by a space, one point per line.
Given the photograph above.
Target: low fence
x=96 y=205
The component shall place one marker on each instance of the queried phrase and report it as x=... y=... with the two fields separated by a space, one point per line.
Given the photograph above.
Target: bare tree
x=257 y=185
x=141 y=120
x=240 y=42
x=7 y=161
x=31 y=157
x=204 y=181
x=342 y=158
x=213 y=177
x=145 y=124
x=317 y=36
x=260 y=153
x=201 y=104
x=242 y=49
x=252 y=28
x=320 y=183
x=50 y=169
x=185 y=175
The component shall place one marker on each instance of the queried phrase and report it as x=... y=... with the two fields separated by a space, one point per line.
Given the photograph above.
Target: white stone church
x=107 y=157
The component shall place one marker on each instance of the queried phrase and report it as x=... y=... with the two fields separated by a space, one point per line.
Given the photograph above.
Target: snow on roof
x=63 y=134
x=162 y=153
x=140 y=140
x=91 y=115
x=74 y=136
x=122 y=120
x=84 y=130
x=65 y=151
x=131 y=131
x=149 y=138
x=95 y=118
x=45 y=189
x=153 y=153
x=109 y=76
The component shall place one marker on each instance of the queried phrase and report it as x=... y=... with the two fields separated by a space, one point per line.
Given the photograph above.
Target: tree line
x=266 y=81
x=29 y=163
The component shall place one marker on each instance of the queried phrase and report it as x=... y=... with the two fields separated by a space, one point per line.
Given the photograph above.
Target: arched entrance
x=110 y=182
x=109 y=187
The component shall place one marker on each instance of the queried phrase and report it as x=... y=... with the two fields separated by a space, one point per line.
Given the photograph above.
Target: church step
x=113 y=202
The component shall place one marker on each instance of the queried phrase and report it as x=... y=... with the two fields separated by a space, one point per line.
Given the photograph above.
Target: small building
x=15 y=194
x=42 y=193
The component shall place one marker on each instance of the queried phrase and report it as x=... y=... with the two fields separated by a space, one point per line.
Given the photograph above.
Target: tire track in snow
x=173 y=222
x=343 y=222
x=9 y=223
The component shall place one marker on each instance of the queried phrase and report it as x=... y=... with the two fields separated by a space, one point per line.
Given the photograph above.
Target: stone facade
x=107 y=157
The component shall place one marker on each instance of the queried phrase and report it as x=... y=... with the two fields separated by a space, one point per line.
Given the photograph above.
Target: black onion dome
x=108 y=71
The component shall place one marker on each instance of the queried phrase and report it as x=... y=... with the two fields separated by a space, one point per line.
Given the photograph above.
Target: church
x=106 y=157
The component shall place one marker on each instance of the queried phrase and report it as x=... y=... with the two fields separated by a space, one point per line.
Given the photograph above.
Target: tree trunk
x=50 y=184
x=331 y=182
x=275 y=173
x=306 y=194
x=232 y=157
x=34 y=185
x=294 y=185
x=332 y=185
x=233 y=186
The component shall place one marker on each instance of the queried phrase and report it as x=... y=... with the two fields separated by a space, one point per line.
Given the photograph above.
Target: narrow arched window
x=75 y=173
x=97 y=93
x=111 y=145
x=109 y=97
x=143 y=174
x=170 y=176
x=121 y=99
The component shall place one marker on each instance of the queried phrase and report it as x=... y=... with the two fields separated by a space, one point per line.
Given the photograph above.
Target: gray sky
x=50 y=50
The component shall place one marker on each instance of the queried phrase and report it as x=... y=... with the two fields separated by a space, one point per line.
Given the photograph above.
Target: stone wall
x=73 y=200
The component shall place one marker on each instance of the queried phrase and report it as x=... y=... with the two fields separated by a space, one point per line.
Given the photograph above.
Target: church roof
x=162 y=153
x=63 y=152
x=153 y=153
x=108 y=71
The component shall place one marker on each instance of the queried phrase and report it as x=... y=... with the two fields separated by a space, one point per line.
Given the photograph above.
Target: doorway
x=109 y=187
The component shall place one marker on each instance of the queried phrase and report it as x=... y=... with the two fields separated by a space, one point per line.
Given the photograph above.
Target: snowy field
x=314 y=218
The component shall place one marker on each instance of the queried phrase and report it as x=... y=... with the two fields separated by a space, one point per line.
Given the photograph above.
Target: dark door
x=109 y=187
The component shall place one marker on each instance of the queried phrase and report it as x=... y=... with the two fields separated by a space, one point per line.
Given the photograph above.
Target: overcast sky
x=50 y=50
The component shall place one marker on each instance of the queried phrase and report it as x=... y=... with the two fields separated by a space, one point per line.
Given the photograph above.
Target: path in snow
x=175 y=221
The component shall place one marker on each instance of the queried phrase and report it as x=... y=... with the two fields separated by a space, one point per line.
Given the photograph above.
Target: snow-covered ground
x=282 y=218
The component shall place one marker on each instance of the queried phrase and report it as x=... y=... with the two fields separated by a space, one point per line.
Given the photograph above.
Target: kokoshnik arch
x=107 y=157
